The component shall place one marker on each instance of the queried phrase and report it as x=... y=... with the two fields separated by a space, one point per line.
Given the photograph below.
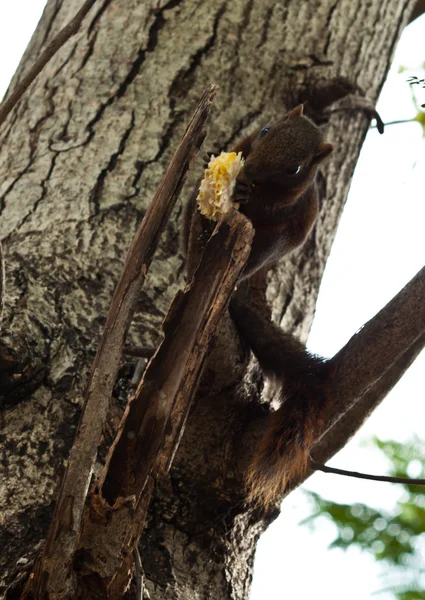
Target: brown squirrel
x=277 y=191
x=276 y=187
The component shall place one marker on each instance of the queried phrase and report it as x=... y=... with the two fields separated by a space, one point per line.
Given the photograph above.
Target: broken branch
x=154 y=419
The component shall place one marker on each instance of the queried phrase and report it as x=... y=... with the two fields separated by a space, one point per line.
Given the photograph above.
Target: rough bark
x=81 y=157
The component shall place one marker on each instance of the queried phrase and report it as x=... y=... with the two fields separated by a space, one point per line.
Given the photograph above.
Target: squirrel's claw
x=242 y=191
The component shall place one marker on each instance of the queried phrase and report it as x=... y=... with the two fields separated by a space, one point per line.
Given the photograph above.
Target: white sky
x=379 y=247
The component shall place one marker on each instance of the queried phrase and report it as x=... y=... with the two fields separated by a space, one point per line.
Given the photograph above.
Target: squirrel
x=276 y=189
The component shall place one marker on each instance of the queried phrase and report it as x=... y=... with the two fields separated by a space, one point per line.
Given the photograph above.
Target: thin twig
x=325 y=469
x=54 y=570
x=399 y=122
x=58 y=41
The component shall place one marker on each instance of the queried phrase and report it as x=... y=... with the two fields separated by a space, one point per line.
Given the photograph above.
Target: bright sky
x=379 y=247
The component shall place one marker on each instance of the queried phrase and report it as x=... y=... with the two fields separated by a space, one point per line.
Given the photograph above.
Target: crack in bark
x=288 y=300
x=98 y=188
x=36 y=130
x=265 y=30
x=242 y=29
x=92 y=38
x=328 y=28
x=33 y=142
x=135 y=67
x=163 y=145
x=316 y=61
x=180 y=84
x=97 y=17
x=44 y=193
x=66 y=61
x=50 y=23
x=12 y=185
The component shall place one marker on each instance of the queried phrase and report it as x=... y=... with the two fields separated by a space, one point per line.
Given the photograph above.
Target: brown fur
x=282 y=453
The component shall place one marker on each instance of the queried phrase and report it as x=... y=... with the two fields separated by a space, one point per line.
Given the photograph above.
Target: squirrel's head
x=287 y=153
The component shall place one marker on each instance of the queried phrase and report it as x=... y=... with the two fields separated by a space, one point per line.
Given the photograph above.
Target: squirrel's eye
x=293 y=170
x=264 y=131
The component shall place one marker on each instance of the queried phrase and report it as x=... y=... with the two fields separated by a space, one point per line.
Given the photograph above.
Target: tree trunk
x=81 y=157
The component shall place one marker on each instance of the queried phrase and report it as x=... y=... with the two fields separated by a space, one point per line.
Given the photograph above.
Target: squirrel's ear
x=297 y=111
x=323 y=151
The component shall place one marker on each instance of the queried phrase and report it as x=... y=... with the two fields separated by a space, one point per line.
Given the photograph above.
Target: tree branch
x=418 y=10
x=325 y=469
x=53 y=573
x=345 y=428
x=58 y=41
x=374 y=349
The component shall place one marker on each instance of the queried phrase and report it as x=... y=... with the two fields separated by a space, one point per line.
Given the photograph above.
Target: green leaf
x=390 y=536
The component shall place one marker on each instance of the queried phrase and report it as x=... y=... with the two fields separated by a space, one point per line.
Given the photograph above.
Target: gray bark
x=81 y=156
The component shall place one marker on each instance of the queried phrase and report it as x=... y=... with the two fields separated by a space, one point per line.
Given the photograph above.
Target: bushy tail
x=282 y=454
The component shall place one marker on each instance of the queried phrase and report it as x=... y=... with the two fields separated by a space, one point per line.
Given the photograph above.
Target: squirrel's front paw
x=242 y=191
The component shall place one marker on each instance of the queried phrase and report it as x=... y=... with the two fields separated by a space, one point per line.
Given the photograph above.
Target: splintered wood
x=154 y=420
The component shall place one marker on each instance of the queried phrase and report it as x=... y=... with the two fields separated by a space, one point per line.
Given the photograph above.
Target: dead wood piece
x=55 y=565
x=154 y=420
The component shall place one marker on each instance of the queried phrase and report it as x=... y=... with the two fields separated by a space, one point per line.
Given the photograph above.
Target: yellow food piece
x=216 y=189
